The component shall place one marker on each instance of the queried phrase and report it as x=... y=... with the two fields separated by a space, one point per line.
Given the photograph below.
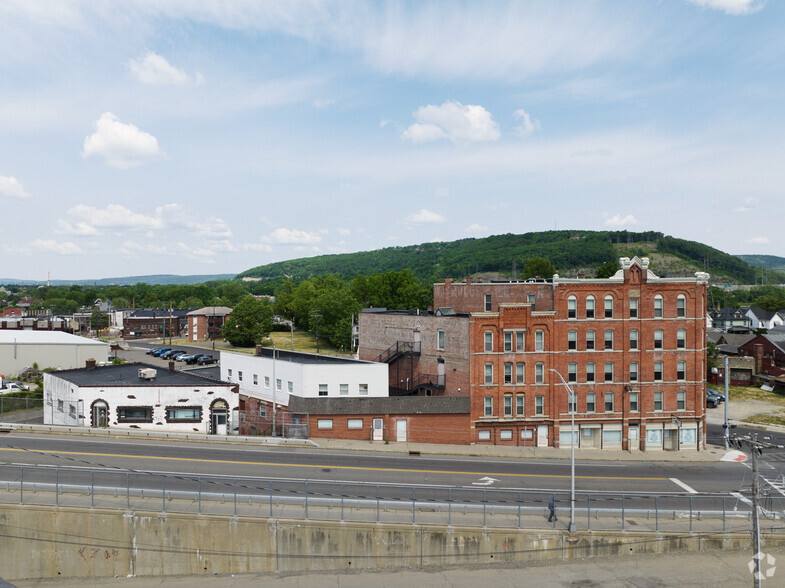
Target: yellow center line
x=333 y=467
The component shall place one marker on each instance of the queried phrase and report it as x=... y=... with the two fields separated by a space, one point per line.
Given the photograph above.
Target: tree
x=769 y=302
x=250 y=322
x=99 y=320
x=607 y=269
x=712 y=357
x=538 y=267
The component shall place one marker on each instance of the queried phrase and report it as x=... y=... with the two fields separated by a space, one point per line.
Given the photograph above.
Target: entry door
x=400 y=431
x=542 y=435
x=99 y=416
x=219 y=421
x=634 y=444
x=378 y=430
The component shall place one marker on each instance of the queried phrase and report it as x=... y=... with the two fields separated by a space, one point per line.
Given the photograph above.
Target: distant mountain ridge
x=155 y=279
x=503 y=256
x=771 y=262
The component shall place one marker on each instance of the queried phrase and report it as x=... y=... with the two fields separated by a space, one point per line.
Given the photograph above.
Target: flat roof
x=300 y=357
x=127 y=374
x=24 y=337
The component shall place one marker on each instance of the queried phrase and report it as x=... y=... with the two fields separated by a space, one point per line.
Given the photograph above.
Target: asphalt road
x=316 y=465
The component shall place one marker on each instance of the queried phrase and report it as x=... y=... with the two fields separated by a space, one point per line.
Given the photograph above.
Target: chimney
x=171 y=365
x=757 y=351
x=448 y=281
x=90 y=363
x=468 y=281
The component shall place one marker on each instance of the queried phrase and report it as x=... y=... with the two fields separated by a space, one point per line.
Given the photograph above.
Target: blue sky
x=191 y=137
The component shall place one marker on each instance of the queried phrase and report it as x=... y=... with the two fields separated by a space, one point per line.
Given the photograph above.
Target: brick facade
x=657 y=407
x=378 y=331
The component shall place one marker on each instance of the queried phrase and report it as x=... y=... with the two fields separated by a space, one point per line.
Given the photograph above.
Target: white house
x=302 y=374
x=140 y=396
x=49 y=349
x=763 y=319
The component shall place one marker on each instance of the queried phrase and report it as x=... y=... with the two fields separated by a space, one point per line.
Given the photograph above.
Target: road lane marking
x=683 y=485
x=322 y=466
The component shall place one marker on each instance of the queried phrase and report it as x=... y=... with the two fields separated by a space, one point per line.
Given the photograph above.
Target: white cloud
x=758 y=241
x=10 y=186
x=286 y=236
x=114 y=216
x=323 y=103
x=80 y=228
x=749 y=204
x=442 y=192
x=621 y=221
x=344 y=232
x=454 y=121
x=58 y=248
x=155 y=70
x=122 y=145
x=734 y=7
x=527 y=126
x=476 y=228
x=425 y=216
x=257 y=247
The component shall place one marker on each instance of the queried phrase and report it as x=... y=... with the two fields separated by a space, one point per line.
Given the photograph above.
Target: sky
x=205 y=137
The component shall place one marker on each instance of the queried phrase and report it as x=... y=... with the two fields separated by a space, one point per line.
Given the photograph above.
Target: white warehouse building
x=305 y=375
x=49 y=349
x=140 y=396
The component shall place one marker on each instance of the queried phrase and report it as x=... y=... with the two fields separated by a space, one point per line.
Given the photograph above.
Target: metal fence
x=382 y=503
x=21 y=410
x=287 y=424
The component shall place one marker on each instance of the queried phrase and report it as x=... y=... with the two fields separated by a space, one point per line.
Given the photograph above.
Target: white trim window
x=572 y=372
x=609 y=339
x=324 y=423
x=681 y=306
x=354 y=423
x=520 y=373
x=633 y=371
x=539 y=340
x=488 y=305
x=589 y=340
x=488 y=406
x=634 y=339
x=609 y=371
x=488 y=340
x=489 y=373
x=539 y=373
x=658 y=371
x=658 y=400
x=681 y=370
x=572 y=340
x=440 y=339
x=609 y=306
x=633 y=308
x=590 y=307
x=658 y=336
x=658 y=306
x=508 y=341
x=572 y=307
x=590 y=372
x=681 y=339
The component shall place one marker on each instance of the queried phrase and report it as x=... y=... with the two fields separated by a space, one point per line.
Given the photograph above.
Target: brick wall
x=430 y=428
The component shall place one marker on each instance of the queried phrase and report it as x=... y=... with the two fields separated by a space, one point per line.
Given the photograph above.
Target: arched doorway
x=218 y=417
x=99 y=414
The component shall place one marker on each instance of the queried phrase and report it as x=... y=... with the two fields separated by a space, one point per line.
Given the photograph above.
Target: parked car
x=185 y=357
x=192 y=359
x=712 y=401
x=716 y=393
x=181 y=356
x=206 y=360
x=160 y=350
x=170 y=353
x=12 y=387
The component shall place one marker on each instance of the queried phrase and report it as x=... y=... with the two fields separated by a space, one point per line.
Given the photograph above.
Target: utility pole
x=316 y=316
x=755 y=448
x=726 y=425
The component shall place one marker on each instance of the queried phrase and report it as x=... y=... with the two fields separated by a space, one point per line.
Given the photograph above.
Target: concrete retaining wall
x=47 y=542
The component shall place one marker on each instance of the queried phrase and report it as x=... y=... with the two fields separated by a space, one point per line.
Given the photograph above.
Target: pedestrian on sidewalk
x=552 y=509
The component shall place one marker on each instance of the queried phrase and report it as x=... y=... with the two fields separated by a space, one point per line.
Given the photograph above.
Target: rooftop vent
x=147 y=374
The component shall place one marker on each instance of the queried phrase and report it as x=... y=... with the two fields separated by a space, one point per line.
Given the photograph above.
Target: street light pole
x=572 y=403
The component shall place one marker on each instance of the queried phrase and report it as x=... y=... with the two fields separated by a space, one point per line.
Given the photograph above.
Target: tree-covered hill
x=571 y=252
x=770 y=262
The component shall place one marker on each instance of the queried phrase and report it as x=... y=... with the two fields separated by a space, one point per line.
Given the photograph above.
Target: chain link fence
x=21 y=410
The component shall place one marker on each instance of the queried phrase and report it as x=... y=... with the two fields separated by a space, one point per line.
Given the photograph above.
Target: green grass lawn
x=303 y=341
x=752 y=393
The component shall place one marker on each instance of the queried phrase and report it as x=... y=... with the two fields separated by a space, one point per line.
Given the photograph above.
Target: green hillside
x=770 y=262
x=571 y=252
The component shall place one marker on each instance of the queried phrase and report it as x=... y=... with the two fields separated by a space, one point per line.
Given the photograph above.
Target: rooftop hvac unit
x=147 y=374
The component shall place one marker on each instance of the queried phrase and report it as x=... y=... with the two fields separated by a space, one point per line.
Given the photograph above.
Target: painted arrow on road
x=486 y=481
x=734 y=456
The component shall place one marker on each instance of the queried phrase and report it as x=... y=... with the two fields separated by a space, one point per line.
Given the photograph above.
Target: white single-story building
x=140 y=396
x=302 y=374
x=49 y=349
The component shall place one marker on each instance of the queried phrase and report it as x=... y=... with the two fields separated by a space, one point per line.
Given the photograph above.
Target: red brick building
x=631 y=347
x=428 y=352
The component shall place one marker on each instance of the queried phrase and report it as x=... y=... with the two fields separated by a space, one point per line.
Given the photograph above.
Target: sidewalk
x=709 y=569
x=710 y=454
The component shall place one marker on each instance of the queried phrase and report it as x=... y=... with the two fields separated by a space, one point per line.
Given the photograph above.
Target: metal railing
x=397 y=349
x=381 y=503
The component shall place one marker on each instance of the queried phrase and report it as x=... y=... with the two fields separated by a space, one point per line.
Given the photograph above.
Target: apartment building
x=631 y=348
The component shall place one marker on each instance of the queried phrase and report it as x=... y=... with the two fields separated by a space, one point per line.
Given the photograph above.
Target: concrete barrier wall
x=47 y=542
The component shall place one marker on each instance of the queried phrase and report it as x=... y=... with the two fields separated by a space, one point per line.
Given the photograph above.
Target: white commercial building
x=140 y=396
x=48 y=349
x=302 y=374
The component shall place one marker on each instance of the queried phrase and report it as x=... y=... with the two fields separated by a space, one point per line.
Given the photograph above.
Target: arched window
x=658 y=306
x=572 y=307
x=681 y=305
x=590 y=306
x=609 y=306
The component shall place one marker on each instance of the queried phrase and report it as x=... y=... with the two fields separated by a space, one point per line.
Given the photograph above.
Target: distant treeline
x=569 y=251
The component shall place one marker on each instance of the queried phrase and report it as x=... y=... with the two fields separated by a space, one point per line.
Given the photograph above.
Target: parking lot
x=138 y=353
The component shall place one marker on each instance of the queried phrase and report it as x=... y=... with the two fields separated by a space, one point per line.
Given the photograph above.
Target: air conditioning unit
x=147 y=374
